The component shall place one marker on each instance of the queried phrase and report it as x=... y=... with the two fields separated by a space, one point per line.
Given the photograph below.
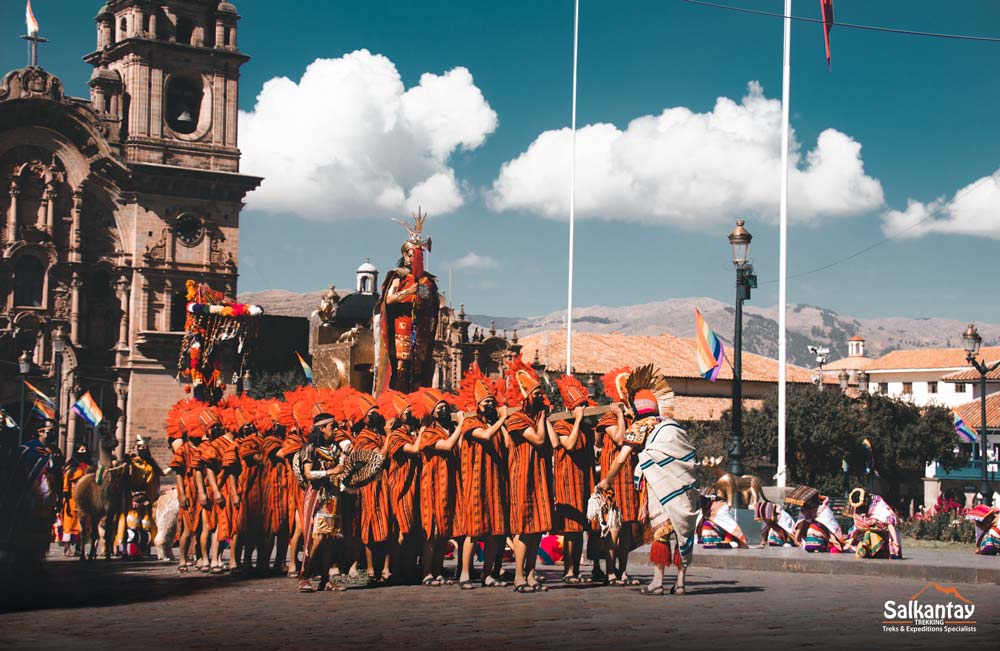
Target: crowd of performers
x=324 y=481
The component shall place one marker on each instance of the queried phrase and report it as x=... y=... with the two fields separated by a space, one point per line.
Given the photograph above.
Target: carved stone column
x=121 y=392
x=74 y=230
x=50 y=208
x=122 y=286
x=71 y=391
x=15 y=190
x=168 y=301
x=152 y=25
x=74 y=308
x=220 y=35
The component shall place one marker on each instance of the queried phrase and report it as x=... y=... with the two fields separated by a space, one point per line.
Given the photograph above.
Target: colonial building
x=111 y=203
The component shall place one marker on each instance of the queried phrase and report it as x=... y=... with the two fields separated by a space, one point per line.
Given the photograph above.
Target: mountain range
x=806 y=324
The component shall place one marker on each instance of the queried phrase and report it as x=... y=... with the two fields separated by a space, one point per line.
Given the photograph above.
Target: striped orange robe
x=251 y=487
x=573 y=471
x=483 y=488
x=185 y=463
x=403 y=475
x=275 y=487
x=293 y=443
x=374 y=495
x=626 y=496
x=438 y=485
x=530 y=500
x=221 y=456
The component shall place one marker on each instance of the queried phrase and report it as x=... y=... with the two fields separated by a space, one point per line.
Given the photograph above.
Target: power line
x=871 y=28
x=889 y=238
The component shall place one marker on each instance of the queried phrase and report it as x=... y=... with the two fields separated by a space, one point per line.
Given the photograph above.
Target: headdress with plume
x=419 y=245
x=649 y=391
x=423 y=401
x=614 y=383
x=475 y=387
x=520 y=382
x=357 y=405
x=392 y=403
x=572 y=391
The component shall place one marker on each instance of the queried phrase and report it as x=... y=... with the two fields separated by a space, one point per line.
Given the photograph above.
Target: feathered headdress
x=265 y=415
x=357 y=405
x=175 y=427
x=521 y=380
x=392 y=403
x=474 y=388
x=419 y=245
x=423 y=402
x=573 y=393
x=236 y=412
x=649 y=391
x=614 y=383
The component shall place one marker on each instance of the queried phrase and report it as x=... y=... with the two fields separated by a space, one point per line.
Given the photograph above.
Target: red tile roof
x=704 y=409
x=971 y=412
x=849 y=364
x=972 y=375
x=929 y=358
x=675 y=357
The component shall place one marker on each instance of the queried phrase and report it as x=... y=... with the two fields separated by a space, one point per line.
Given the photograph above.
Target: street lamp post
x=739 y=240
x=971 y=341
x=863 y=382
x=58 y=348
x=23 y=366
x=844 y=379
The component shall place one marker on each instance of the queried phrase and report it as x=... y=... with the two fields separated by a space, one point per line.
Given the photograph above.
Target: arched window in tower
x=184 y=97
x=185 y=30
x=29 y=279
x=366 y=285
x=228 y=37
x=147 y=24
x=123 y=29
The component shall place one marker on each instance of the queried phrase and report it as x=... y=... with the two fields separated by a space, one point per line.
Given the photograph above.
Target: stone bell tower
x=178 y=69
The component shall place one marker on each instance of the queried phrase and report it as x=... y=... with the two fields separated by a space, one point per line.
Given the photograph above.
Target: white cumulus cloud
x=695 y=170
x=973 y=210
x=348 y=140
x=474 y=261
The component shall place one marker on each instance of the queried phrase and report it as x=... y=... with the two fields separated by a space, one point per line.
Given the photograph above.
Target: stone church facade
x=110 y=204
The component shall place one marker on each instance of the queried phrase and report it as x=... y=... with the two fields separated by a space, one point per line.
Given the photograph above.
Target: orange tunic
x=70 y=516
x=292 y=443
x=275 y=487
x=251 y=487
x=573 y=471
x=374 y=495
x=626 y=496
x=483 y=489
x=220 y=455
x=403 y=475
x=185 y=463
x=438 y=485
x=530 y=501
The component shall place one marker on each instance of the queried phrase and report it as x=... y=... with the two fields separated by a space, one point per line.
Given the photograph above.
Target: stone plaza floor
x=150 y=606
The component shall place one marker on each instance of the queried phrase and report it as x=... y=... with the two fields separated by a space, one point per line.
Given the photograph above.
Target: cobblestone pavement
x=150 y=606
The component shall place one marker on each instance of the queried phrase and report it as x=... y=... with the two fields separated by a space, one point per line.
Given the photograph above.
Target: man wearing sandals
x=322 y=523
x=666 y=464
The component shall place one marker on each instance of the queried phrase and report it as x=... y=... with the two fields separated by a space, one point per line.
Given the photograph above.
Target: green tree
x=274 y=384
x=826 y=428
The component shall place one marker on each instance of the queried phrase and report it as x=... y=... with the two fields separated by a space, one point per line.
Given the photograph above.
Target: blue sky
x=922 y=110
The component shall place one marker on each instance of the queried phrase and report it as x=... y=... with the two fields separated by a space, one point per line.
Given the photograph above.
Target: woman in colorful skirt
x=777 y=528
x=874 y=534
x=816 y=529
x=719 y=529
x=987 y=531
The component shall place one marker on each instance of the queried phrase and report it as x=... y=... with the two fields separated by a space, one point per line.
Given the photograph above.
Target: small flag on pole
x=38 y=392
x=44 y=411
x=827 y=8
x=966 y=433
x=710 y=349
x=843 y=465
x=305 y=368
x=29 y=20
x=87 y=409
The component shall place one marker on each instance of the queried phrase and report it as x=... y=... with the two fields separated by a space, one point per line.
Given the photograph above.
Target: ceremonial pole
x=786 y=70
x=572 y=198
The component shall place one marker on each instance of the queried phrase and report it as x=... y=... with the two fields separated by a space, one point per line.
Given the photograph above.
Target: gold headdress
x=416 y=230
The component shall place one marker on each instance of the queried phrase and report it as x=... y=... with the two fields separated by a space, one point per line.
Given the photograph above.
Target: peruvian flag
x=827 y=7
x=29 y=20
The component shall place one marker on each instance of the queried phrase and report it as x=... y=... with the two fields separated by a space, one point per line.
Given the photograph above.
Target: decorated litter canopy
x=212 y=318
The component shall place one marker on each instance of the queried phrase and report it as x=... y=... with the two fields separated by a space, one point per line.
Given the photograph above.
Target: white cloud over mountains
x=973 y=210
x=694 y=170
x=349 y=141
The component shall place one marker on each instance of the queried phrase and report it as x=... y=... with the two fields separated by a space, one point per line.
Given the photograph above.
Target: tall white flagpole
x=572 y=197
x=786 y=70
